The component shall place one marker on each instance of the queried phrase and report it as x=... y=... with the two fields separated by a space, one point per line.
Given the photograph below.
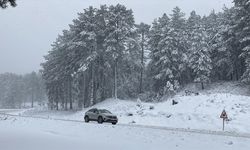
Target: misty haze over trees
x=20 y=91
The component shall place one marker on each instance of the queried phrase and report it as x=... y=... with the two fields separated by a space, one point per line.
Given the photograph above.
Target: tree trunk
x=66 y=96
x=57 y=97
x=142 y=63
x=94 y=91
x=70 y=94
x=236 y=75
x=62 y=98
x=57 y=107
x=102 y=78
x=66 y=105
x=115 y=80
x=116 y=59
x=86 y=91
x=242 y=66
x=92 y=85
x=81 y=90
x=102 y=86
x=202 y=86
x=32 y=99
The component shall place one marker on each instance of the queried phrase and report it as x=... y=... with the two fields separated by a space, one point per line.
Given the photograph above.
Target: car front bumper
x=110 y=120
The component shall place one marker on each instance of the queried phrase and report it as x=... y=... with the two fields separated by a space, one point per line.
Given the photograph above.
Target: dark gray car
x=100 y=115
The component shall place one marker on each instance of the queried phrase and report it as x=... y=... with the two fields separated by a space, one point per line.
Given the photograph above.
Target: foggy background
x=27 y=31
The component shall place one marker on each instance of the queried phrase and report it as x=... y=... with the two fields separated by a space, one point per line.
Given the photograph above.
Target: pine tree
x=102 y=55
x=157 y=65
x=199 y=55
x=86 y=58
x=226 y=52
x=243 y=32
x=130 y=69
x=120 y=23
x=178 y=46
x=168 y=44
x=143 y=33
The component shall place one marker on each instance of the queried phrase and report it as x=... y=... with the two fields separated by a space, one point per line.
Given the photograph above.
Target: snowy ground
x=191 y=112
x=17 y=133
x=145 y=128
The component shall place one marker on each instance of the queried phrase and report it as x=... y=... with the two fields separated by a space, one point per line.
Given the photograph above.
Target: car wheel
x=100 y=120
x=114 y=123
x=86 y=118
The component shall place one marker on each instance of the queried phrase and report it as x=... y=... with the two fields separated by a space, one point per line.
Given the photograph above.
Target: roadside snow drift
x=191 y=112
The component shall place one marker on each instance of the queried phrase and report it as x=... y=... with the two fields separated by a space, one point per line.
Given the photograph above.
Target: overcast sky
x=27 y=31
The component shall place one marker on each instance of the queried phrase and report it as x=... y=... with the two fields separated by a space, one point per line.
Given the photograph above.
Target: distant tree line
x=20 y=91
x=104 y=54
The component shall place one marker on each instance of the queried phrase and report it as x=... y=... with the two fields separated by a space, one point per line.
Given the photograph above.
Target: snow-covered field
x=191 y=112
x=200 y=112
x=17 y=133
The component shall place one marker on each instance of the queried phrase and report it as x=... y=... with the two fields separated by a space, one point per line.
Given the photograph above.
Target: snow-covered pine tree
x=143 y=33
x=177 y=45
x=120 y=24
x=228 y=64
x=102 y=55
x=199 y=55
x=168 y=44
x=99 y=44
x=243 y=33
x=57 y=70
x=157 y=64
x=129 y=69
x=168 y=52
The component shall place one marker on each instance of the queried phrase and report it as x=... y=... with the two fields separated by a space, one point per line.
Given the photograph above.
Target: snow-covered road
x=19 y=133
x=197 y=131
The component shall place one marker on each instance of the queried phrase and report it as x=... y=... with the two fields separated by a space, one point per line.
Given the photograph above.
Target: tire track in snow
x=196 y=131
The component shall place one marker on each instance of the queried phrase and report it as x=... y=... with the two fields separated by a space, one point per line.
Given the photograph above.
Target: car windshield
x=105 y=111
x=92 y=110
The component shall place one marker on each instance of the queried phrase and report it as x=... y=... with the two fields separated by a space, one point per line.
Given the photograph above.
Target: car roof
x=96 y=109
